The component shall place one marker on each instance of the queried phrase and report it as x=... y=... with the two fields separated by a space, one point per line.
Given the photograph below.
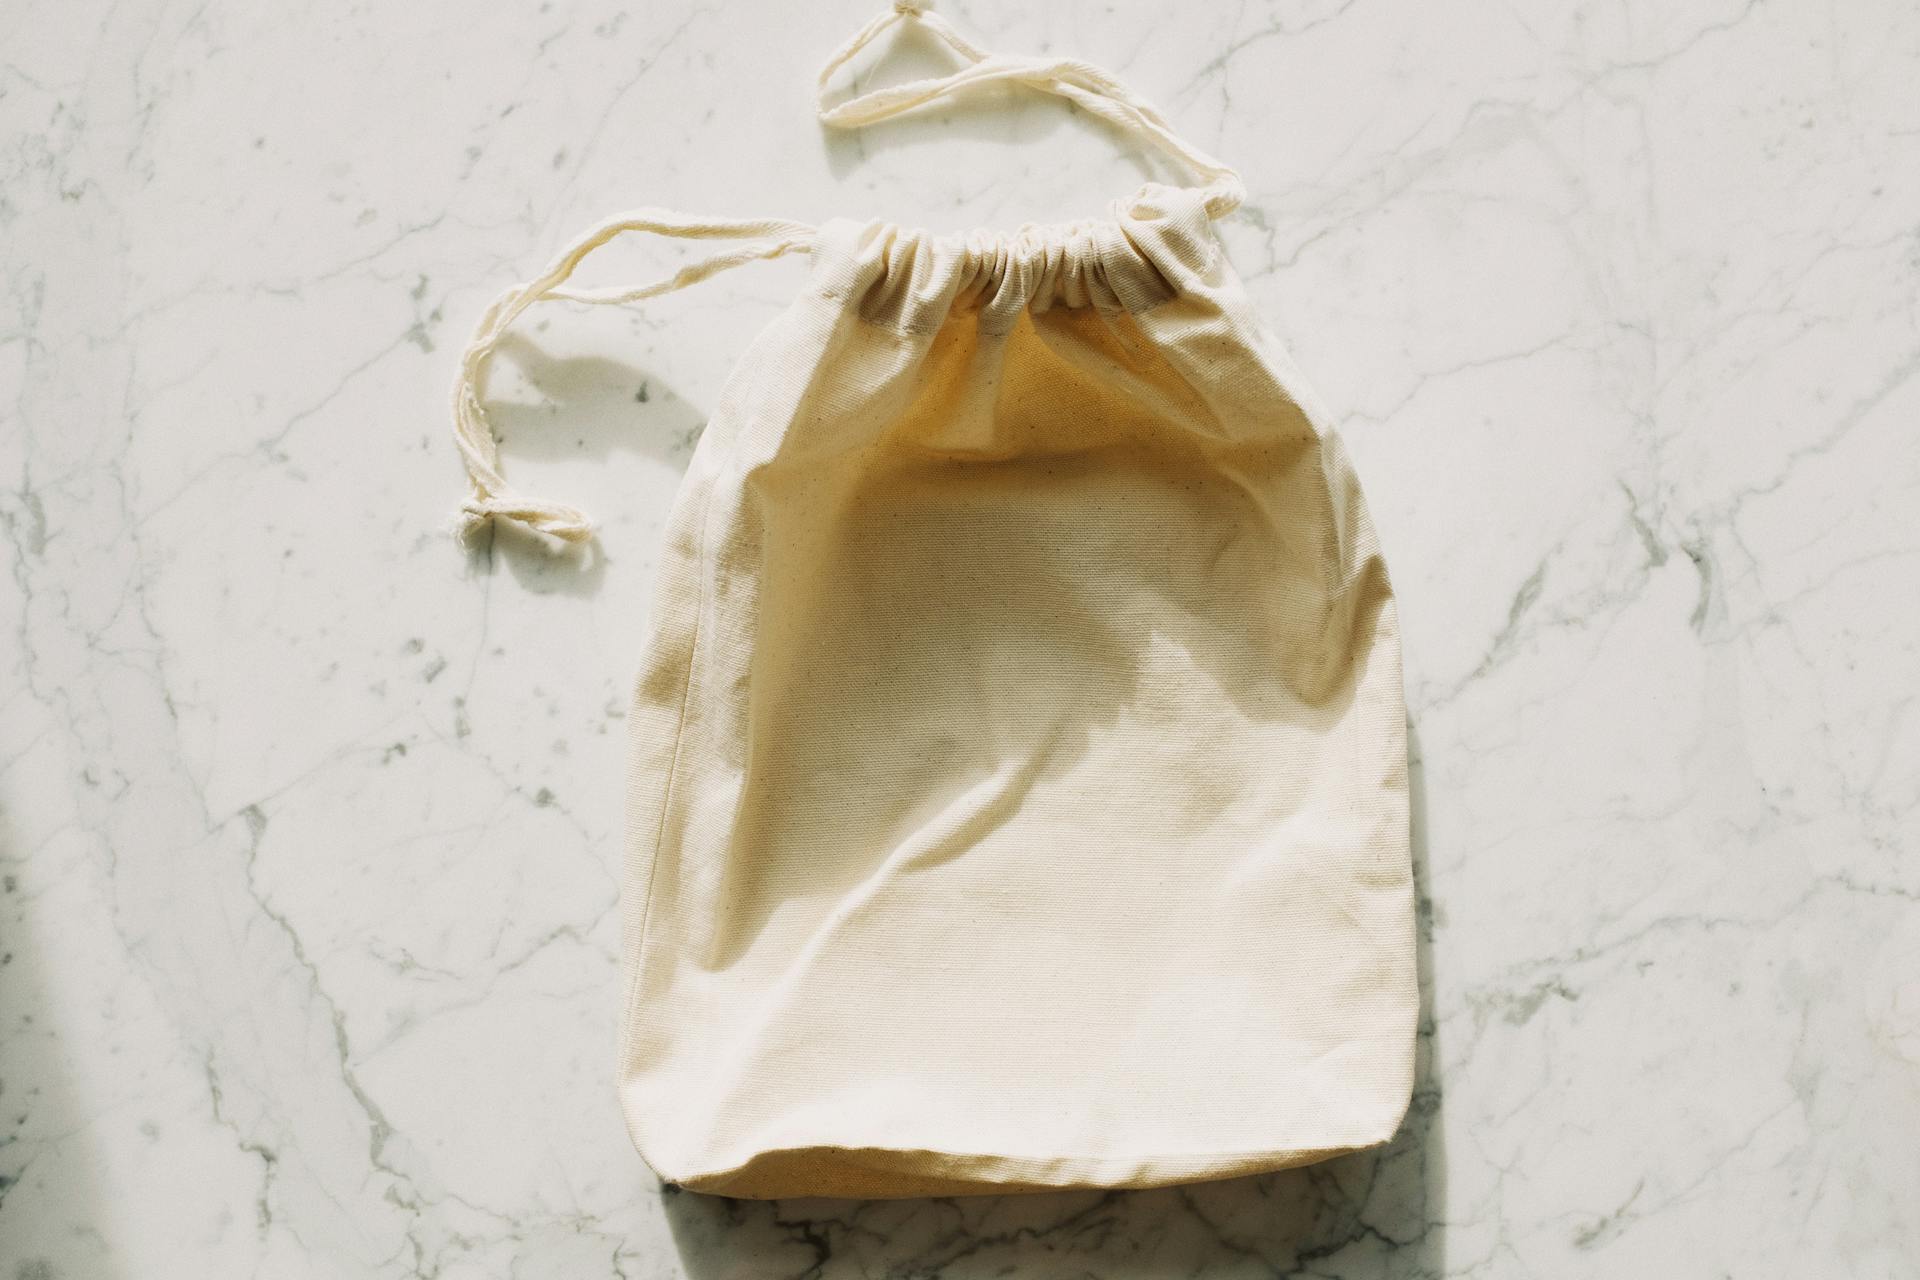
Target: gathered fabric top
x=910 y=279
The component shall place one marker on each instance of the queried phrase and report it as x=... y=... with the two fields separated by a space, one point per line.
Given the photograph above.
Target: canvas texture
x=1017 y=791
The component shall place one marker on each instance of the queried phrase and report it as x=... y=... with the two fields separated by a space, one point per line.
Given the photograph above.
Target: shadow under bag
x=1018 y=772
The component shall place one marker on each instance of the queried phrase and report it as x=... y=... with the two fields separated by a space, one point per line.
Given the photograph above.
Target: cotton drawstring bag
x=1018 y=771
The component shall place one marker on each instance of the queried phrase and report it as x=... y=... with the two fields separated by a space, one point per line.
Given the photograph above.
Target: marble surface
x=311 y=820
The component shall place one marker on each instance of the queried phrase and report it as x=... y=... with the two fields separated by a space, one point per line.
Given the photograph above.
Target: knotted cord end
x=567 y=524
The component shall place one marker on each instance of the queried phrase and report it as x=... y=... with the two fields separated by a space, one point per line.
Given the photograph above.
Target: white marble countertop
x=311 y=820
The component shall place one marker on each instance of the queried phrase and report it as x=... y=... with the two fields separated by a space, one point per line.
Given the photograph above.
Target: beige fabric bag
x=1018 y=765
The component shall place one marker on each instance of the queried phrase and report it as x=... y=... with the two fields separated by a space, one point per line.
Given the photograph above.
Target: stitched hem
x=889 y=1173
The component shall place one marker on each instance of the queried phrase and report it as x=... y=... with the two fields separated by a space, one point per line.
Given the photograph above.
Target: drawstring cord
x=491 y=497
x=1082 y=83
x=489 y=493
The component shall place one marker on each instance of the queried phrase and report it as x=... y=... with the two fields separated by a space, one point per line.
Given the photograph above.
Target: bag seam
x=631 y=1002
